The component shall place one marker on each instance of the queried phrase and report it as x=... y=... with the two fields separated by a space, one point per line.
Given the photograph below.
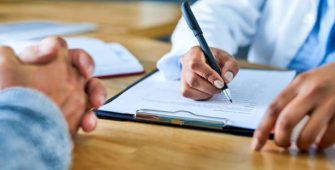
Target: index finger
x=228 y=65
x=44 y=52
x=269 y=120
x=82 y=61
x=202 y=69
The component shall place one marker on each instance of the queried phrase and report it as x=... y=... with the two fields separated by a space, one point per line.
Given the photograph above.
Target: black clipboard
x=130 y=117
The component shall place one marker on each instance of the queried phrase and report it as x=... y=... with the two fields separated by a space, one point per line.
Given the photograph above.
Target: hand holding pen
x=205 y=71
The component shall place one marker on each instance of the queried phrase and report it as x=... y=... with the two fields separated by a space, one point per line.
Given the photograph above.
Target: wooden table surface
x=129 y=145
x=113 y=18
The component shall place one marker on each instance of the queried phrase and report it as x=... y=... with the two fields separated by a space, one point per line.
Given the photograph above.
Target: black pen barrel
x=208 y=54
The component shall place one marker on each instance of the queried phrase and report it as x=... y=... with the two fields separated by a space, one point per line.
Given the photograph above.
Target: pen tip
x=231 y=101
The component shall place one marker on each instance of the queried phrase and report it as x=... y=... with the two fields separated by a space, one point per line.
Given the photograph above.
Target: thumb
x=42 y=53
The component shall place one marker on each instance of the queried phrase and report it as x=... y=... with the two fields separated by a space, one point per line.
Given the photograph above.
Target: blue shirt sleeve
x=319 y=46
x=33 y=132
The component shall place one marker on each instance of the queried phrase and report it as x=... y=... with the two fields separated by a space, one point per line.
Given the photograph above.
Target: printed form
x=252 y=92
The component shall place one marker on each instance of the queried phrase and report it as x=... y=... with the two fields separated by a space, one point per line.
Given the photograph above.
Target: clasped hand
x=64 y=75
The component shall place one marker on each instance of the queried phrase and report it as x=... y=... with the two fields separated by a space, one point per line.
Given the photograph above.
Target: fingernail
x=255 y=144
x=229 y=76
x=218 y=84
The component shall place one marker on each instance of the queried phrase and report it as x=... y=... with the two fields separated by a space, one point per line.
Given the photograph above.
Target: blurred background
x=173 y=1
x=154 y=19
x=170 y=1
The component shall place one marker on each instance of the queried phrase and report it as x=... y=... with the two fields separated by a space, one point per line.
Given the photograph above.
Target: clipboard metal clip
x=175 y=117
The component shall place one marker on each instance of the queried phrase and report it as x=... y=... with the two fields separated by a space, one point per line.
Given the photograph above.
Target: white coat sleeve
x=226 y=24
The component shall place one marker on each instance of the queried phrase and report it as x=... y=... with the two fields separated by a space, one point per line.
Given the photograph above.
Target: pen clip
x=190 y=18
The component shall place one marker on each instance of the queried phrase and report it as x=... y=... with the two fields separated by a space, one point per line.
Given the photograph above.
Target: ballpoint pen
x=194 y=26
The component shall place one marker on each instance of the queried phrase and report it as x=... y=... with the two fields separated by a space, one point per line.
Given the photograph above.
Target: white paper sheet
x=252 y=91
x=37 y=29
x=110 y=59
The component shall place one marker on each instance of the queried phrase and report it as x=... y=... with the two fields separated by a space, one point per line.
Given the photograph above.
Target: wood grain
x=130 y=145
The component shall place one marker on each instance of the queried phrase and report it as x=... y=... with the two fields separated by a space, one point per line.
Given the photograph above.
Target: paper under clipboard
x=153 y=99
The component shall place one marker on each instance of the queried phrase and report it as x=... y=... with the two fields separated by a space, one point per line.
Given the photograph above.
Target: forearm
x=33 y=132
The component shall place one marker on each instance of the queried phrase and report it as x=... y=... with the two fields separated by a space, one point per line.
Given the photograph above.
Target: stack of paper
x=110 y=59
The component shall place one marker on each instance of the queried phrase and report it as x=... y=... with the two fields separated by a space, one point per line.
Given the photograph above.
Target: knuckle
x=316 y=87
x=86 y=55
x=208 y=76
x=273 y=110
x=59 y=41
x=275 y=105
x=4 y=52
x=93 y=84
x=212 y=77
x=260 y=134
x=280 y=99
x=283 y=96
x=304 y=142
x=183 y=88
x=5 y=49
x=81 y=101
x=234 y=68
x=232 y=65
x=195 y=48
x=301 y=78
x=193 y=81
x=235 y=65
x=223 y=52
x=194 y=51
x=216 y=52
x=185 y=92
x=194 y=65
x=285 y=124
x=281 y=142
x=83 y=53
